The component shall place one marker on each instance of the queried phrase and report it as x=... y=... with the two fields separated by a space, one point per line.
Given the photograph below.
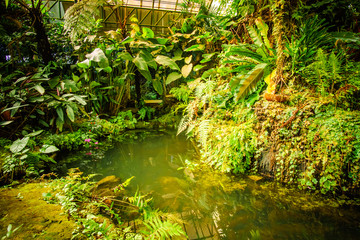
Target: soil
x=24 y=206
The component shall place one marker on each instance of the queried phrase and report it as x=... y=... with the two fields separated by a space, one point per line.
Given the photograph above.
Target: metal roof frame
x=161 y=16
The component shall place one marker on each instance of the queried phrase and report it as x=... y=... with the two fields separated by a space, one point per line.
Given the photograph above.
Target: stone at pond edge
x=255 y=178
x=105 y=187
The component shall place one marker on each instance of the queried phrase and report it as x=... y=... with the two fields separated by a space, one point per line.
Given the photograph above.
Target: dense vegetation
x=269 y=87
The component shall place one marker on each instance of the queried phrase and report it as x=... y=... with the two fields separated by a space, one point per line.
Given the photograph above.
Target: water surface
x=219 y=206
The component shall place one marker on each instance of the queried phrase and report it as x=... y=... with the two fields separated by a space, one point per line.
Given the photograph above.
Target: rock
x=105 y=187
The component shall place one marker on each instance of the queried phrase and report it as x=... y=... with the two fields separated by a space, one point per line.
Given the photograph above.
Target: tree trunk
x=43 y=44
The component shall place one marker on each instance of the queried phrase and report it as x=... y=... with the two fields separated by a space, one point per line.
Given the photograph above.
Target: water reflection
x=218 y=206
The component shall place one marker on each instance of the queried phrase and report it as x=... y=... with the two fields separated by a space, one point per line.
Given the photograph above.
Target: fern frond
x=182 y=125
x=203 y=131
x=255 y=35
x=264 y=29
x=199 y=91
x=243 y=51
x=80 y=18
x=250 y=80
x=158 y=229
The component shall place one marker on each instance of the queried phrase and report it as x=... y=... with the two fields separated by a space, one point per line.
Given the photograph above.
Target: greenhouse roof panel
x=171 y=5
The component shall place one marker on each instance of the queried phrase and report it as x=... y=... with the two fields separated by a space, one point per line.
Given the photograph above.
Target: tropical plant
x=35 y=11
x=23 y=161
x=303 y=46
x=49 y=101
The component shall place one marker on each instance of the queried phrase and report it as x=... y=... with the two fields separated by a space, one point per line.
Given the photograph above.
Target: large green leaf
x=264 y=29
x=19 y=145
x=70 y=85
x=125 y=56
x=198 y=67
x=80 y=99
x=98 y=56
x=158 y=86
x=249 y=81
x=162 y=41
x=54 y=81
x=209 y=73
x=186 y=70
x=48 y=149
x=141 y=63
x=198 y=47
x=166 y=61
x=173 y=77
x=39 y=88
x=60 y=113
x=255 y=35
x=59 y=123
x=146 y=75
x=147 y=33
x=148 y=58
x=33 y=134
x=84 y=64
x=70 y=113
x=177 y=55
x=207 y=57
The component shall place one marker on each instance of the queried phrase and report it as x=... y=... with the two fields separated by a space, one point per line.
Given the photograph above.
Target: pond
x=220 y=206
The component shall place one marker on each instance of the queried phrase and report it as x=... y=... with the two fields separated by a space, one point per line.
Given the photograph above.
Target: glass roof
x=171 y=5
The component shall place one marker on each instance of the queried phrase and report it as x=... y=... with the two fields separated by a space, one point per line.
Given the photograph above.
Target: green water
x=218 y=206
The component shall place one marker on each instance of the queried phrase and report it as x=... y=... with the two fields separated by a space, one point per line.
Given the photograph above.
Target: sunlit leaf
x=60 y=113
x=173 y=77
x=249 y=81
x=4 y=123
x=198 y=47
x=158 y=86
x=70 y=113
x=140 y=63
x=166 y=61
x=198 y=67
x=80 y=99
x=147 y=33
x=49 y=149
x=40 y=89
x=33 y=134
x=18 y=145
x=125 y=56
x=186 y=70
x=84 y=64
x=146 y=74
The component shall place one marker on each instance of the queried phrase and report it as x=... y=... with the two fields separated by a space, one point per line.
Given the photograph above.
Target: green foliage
x=182 y=93
x=146 y=112
x=303 y=46
x=339 y=14
x=77 y=195
x=324 y=73
x=80 y=18
x=158 y=229
x=317 y=150
x=22 y=161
